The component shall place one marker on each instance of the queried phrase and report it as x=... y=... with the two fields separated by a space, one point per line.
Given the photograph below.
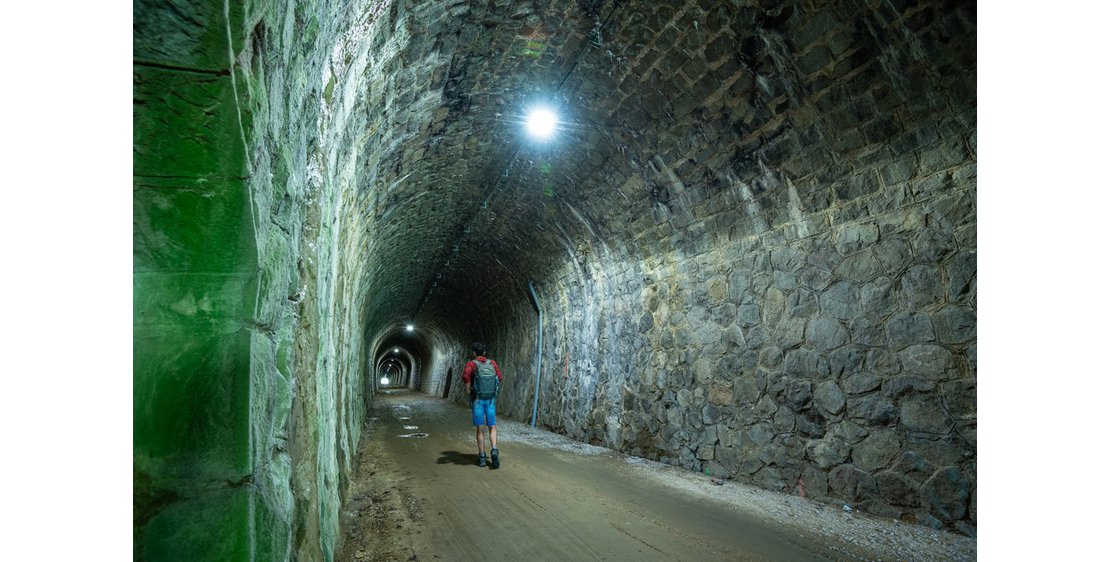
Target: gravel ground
x=894 y=540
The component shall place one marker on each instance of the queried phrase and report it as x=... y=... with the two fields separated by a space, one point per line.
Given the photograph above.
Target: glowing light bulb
x=541 y=122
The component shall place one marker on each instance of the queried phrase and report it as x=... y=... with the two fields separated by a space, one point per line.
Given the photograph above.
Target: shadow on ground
x=455 y=457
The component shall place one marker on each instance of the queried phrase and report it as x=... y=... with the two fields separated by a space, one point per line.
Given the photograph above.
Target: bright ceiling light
x=541 y=122
x=385 y=380
x=395 y=350
x=410 y=327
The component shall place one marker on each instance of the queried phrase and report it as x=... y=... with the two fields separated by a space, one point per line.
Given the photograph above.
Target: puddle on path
x=417 y=434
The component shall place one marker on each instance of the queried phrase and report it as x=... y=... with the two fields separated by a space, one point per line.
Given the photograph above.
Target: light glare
x=541 y=122
x=385 y=380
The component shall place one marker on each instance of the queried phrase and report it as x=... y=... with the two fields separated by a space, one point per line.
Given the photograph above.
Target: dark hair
x=479 y=348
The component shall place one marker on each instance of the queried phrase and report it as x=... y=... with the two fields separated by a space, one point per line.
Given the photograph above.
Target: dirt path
x=418 y=494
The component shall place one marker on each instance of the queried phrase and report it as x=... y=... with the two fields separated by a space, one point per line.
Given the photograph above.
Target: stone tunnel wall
x=250 y=373
x=194 y=281
x=810 y=327
x=839 y=365
x=307 y=62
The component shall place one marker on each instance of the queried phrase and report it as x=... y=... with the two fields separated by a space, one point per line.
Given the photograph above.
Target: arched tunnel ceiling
x=661 y=106
x=468 y=208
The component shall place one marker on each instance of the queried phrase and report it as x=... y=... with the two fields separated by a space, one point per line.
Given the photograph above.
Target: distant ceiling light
x=385 y=380
x=541 y=122
x=396 y=350
x=410 y=327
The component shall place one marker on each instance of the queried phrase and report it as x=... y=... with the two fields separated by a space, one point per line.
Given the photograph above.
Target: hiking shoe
x=481 y=459
x=495 y=462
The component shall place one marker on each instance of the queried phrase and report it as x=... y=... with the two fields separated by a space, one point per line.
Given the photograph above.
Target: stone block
x=847 y=359
x=932 y=245
x=955 y=324
x=801 y=303
x=925 y=415
x=905 y=329
x=959 y=397
x=799 y=393
x=185 y=34
x=761 y=434
x=945 y=494
x=816 y=483
x=787 y=259
x=861 y=268
x=807 y=364
x=878 y=450
x=810 y=424
x=961 y=273
x=771 y=478
x=720 y=394
x=783 y=281
x=816 y=59
x=897 y=387
x=191 y=225
x=826 y=333
x=841 y=300
x=864 y=331
x=207 y=525
x=860 y=383
x=186 y=124
x=883 y=362
x=790 y=331
x=898 y=171
x=213 y=302
x=941 y=156
x=920 y=286
x=784 y=421
x=894 y=253
x=829 y=398
x=191 y=400
x=872 y=410
x=914 y=466
x=930 y=361
x=897 y=489
x=828 y=452
x=852 y=484
x=733 y=336
x=746 y=390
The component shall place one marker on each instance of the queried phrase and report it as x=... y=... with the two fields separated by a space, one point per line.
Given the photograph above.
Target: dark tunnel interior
x=748 y=246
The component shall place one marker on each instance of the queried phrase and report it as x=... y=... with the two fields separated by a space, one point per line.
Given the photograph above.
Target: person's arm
x=468 y=373
x=497 y=369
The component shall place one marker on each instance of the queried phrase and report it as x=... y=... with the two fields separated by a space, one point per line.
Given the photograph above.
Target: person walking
x=482 y=378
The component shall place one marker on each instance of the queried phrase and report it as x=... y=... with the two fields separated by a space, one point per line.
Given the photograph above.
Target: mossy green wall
x=249 y=379
x=194 y=285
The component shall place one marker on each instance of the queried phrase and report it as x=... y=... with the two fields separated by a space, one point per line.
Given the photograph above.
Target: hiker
x=482 y=377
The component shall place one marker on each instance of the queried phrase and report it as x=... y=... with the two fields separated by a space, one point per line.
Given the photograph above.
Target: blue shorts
x=484 y=412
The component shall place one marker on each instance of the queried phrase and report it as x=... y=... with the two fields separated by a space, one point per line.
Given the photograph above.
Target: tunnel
x=744 y=245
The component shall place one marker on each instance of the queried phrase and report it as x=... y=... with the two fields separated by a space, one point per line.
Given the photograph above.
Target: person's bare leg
x=493 y=437
x=478 y=438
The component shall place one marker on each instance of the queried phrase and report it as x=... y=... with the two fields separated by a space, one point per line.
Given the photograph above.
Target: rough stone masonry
x=752 y=238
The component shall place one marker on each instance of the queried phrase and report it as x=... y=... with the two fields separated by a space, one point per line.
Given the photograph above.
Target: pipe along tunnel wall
x=753 y=238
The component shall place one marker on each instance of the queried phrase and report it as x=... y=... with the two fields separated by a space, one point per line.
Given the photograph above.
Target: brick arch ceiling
x=666 y=110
